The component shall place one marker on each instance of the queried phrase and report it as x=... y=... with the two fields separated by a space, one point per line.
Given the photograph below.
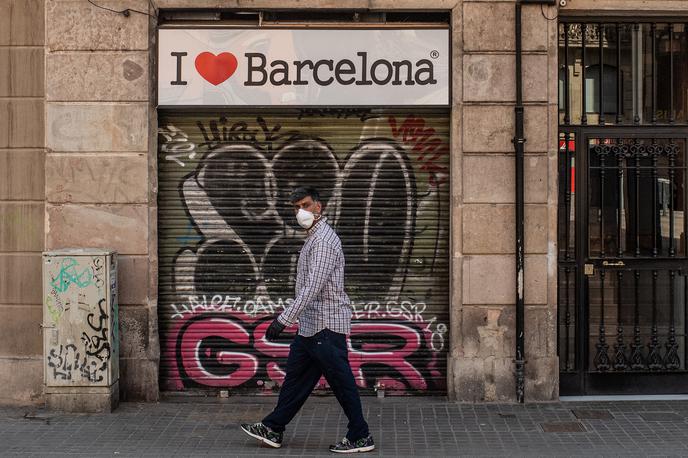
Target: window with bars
x=623 y=73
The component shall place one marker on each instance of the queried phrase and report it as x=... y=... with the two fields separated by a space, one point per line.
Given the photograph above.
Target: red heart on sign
x=216 y=69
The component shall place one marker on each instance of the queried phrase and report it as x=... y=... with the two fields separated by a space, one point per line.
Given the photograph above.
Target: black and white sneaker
x=263 y=434
x=362 y=445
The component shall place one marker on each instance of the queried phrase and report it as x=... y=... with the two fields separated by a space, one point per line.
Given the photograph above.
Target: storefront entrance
x=622 y=199
x=246 y=115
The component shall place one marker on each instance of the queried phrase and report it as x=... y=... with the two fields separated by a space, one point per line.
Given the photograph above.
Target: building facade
x=424 y=196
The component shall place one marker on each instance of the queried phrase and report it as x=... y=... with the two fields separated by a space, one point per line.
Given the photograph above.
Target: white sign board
x=302 y=67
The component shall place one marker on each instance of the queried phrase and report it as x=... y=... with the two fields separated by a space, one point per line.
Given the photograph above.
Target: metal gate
x=622 y=199
x=228 y=241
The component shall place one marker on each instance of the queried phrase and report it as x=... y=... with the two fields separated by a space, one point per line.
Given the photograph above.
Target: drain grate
x=563 y=427
x=588 y=414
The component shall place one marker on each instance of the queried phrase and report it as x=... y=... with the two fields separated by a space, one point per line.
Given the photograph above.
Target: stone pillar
x=22 y=100
x=481 y=364
x=98 y=130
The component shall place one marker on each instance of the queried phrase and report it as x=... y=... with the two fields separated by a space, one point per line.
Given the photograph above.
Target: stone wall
x=101 y=181
x=483 y=367
x=22 y=154
x=99 y=131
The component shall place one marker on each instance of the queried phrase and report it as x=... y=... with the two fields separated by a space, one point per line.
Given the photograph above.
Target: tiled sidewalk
x=401 y=427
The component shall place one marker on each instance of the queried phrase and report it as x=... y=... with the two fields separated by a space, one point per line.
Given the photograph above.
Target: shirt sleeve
x=322 y=260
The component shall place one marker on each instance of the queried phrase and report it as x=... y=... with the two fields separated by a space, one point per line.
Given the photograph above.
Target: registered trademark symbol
x=434 y=54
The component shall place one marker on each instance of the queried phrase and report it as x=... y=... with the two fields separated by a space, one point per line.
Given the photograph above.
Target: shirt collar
x=317 y=226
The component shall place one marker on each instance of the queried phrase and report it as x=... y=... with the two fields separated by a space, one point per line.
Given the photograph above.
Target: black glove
x=274 y=330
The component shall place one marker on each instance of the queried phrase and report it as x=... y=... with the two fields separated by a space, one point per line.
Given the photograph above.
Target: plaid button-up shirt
x=321 y=301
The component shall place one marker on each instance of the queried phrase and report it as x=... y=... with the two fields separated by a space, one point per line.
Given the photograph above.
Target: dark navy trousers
x=326 y=354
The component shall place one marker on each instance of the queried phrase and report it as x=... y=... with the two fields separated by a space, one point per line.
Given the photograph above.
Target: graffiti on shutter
x=229 y=242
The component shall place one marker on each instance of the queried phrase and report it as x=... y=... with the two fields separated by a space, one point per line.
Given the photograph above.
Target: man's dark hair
x=304 y=191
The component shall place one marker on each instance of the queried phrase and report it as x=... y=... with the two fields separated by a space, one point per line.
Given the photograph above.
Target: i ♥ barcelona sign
x=303 y=67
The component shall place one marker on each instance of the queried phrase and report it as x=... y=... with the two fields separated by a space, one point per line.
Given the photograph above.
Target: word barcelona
x=216 y=69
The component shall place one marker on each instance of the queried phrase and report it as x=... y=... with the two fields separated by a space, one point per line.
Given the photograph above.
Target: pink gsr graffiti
x=202 y=361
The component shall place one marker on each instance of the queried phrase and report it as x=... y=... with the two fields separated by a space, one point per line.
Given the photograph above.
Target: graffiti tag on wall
x=78 y=335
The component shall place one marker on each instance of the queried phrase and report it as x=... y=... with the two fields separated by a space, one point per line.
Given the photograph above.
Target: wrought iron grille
x=567 y=297
x=623 y=73
x=636 y=232
x=628 y=227
x=623 y=265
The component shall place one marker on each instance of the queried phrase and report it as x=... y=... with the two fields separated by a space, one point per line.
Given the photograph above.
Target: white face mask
x=305 y=218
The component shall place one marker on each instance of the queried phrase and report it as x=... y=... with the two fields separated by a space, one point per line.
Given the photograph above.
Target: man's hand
x=274 y=330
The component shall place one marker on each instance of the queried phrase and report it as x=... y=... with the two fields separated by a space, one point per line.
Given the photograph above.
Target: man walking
x=323 y=311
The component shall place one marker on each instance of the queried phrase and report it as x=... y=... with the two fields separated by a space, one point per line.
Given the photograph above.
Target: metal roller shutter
x=228 y=241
